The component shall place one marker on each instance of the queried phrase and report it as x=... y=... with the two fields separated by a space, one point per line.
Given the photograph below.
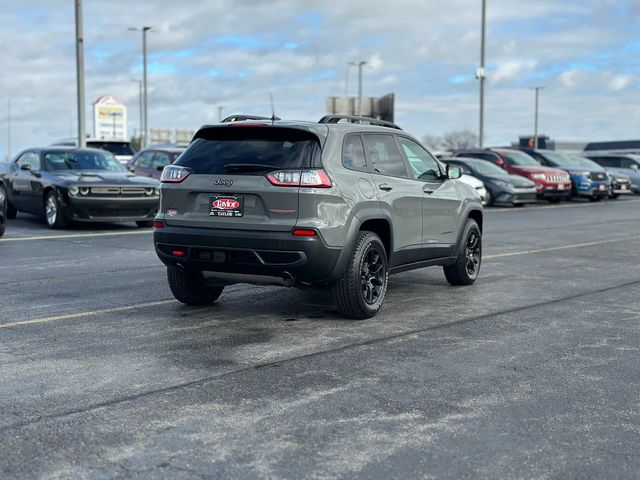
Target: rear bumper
x=252 y=253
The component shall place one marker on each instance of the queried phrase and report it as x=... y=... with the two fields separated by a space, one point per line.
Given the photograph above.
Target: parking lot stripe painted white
x=549 y=207
x=93 y=313
x=561 y=247
x=74 y=235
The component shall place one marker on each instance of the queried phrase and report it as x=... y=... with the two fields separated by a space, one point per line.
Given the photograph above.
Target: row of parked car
x=515 y=176
x=63 y=183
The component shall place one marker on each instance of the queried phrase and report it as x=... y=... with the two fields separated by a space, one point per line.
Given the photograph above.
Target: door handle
x=385 y=187
x=428 y=190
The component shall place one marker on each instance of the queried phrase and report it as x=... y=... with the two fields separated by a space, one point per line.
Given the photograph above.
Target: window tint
x=384 y=155
x=144 y=160
x=160 y=159
x=608 y=161
x=30 y=158
x=628 y=163
x=353 y=153
x=250 y=150
x=423 y=165
x=117 y=148
x=484 y=156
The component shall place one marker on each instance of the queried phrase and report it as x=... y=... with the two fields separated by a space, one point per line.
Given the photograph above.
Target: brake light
x=247 y=125
x=158 y=224
x=300 y=178
x=178 y=253
x=174 y=174
x=304 y=232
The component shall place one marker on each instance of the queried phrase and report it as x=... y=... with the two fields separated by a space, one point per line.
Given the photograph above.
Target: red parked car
x=552 y=184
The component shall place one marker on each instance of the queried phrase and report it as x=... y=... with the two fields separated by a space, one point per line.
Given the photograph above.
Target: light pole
x=481 y=73
x=535 y=116
x=359 y=65
x=220 y=107
x=82 y=137
x=145 y=106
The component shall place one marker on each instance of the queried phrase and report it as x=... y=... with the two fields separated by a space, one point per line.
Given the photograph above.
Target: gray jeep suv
x=336 y=205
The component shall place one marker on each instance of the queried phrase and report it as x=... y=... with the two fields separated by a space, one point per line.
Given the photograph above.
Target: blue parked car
x=586 y=182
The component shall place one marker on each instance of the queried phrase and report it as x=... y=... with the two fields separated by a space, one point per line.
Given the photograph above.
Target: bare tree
x=432 y=142
x=459 y=139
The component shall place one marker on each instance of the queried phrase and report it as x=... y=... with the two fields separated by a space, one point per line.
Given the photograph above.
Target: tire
x=10 y=212
x=360 y=292
x=189 y=288
x=53 y=211
x=613 y=196
x=466 y=268
x=595 y=199
x=517 y=205
x=3 y=210
x=144 y=223
x=554 y=200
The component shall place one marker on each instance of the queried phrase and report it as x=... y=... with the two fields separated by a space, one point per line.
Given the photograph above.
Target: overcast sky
x=206 y=53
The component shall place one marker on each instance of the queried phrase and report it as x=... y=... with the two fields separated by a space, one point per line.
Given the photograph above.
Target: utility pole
x=359 y=65
x=145 y=105
x=82 y=137
x=536 y=141
x=481 y=73
x=9 y=129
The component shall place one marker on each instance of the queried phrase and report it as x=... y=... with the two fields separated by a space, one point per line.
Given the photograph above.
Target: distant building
x=381 y=108
x=617 y=146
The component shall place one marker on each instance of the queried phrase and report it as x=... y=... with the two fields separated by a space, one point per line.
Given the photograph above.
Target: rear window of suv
x=250 y=150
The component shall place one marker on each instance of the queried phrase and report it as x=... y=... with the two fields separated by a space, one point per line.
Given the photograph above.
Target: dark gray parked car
x=331 y=204
x=66 y=184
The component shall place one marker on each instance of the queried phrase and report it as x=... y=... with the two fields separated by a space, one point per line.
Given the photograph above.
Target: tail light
x=158 y=224
x=174 y=174
x=304 y=232
x=300 y=178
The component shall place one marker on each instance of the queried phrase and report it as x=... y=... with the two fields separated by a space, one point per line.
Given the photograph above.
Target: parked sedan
x=78 y=184
x=150 y=161
x=586 y=182
x=552 y=184
x=618 y=184
x=3 y=209
x=625 y=164
x=502 y=188
x=477 y=184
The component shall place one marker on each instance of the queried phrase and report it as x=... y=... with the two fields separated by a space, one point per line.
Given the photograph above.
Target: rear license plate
x=561 y=186
x=623 y=187
x=602 y=187
x=226 y=206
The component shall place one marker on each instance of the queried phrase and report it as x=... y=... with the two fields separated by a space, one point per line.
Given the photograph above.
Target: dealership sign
x=109 y=119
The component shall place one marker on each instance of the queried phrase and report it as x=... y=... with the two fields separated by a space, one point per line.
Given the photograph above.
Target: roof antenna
x=273 y=110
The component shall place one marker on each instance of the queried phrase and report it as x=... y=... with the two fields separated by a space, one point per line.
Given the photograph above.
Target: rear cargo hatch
x=228 y=186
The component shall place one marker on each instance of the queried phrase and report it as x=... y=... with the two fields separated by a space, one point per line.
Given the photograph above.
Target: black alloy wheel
x=465 y=270
x=372 y=275
x=473 y=254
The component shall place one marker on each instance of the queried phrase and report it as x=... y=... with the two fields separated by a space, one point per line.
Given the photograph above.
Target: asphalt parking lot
x=533 y=372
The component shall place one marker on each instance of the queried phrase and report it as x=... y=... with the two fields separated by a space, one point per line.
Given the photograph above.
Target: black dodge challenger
x=77 y=184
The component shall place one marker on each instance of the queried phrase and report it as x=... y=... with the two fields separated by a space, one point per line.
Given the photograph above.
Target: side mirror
x=26 y=166
x=453 y=172
x=634 y=166
x=160 y=167
x=501 y=163
x=131 y=168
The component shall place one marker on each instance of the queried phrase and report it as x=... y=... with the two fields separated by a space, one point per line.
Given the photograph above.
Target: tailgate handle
x=386 y=187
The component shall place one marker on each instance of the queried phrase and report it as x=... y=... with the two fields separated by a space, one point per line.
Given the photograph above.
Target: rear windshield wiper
x=249 y=167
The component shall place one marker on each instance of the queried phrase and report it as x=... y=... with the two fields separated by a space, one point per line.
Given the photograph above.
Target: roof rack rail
x=358 y=119
x=242 y=118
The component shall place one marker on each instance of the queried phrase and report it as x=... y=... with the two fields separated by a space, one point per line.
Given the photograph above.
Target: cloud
x=511 y=69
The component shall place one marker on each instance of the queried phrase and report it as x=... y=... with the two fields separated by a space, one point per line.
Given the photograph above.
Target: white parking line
x=549 y=207
x=561 y=247
x=74 y=235
x=93 y=313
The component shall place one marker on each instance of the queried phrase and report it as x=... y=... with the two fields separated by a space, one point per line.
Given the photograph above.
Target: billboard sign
x=109 y=119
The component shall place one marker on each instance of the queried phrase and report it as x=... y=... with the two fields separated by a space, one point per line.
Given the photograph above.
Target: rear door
x=228 y=186
x=26 y=185
x=441 y=202
x=399 y=195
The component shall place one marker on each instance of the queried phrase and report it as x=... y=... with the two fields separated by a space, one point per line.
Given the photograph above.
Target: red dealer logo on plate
x=226 y=204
